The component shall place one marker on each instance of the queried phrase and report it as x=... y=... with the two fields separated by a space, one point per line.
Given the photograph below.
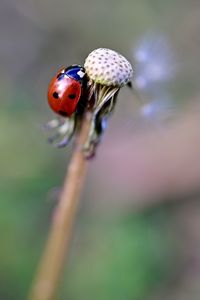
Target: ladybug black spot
x=72 y=96
x=62 y=113
x=55 y=95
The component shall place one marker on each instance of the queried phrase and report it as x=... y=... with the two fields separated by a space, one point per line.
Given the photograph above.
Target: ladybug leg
x=53 y=124
x=98 y=126
x=64 y=133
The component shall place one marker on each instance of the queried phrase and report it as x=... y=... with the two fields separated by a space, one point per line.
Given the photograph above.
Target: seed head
x=107 y=67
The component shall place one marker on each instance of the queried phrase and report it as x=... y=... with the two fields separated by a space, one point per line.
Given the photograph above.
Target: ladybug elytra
x=65 y=90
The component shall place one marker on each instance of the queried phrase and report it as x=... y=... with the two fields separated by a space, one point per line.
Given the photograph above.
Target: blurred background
x=137 y=231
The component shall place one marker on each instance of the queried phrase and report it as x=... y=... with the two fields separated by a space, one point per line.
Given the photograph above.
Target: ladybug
x=65 y=90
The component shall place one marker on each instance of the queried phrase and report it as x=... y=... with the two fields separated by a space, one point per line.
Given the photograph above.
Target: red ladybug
x=65 y=90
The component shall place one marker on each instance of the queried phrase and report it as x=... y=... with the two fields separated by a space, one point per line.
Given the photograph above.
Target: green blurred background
x=119 y=249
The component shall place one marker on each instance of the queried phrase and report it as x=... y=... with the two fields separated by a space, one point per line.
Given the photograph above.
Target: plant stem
x=51 y=267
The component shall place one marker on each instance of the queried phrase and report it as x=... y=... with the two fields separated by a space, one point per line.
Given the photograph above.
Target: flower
x=107 y=72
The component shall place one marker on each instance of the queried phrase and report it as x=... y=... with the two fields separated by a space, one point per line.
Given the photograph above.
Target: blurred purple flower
x=154 y=61
x=159 y=109
x=156 y=67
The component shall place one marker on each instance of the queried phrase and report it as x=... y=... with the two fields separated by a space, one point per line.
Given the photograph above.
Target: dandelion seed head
x=108 y=67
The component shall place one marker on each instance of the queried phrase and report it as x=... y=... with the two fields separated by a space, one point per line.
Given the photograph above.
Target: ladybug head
x=76 y=72
x=65 y=90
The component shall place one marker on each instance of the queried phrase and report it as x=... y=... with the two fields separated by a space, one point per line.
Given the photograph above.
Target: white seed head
x=108 y=67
